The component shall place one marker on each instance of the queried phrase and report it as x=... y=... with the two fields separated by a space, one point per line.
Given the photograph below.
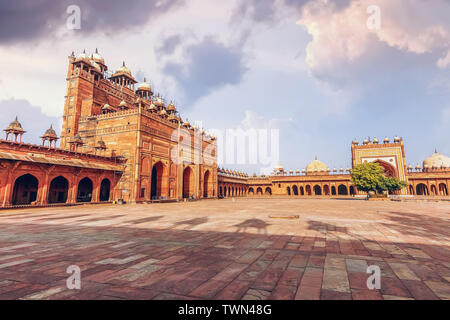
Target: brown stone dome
x=171 y=107
x=15 y=125
x=50 y=133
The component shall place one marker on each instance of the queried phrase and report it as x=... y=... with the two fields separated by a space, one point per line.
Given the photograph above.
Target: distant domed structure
x=144 y=85
x=14 y=129
x=50 y=131
x=123 y=78
x=123 y=69
x=97 y=57
x=317 y=166
x=83 y=55
x=15 y=125
x=107 y=108
x=76 y=142
x=159 y=102
x=171 y=107
x=144 y=90
x=278 y=169
x=436 y=160
x=100 y=147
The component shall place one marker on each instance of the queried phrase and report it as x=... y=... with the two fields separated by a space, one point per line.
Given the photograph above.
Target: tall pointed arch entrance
x=157 y=180
x=188 y=183
x=207 y=190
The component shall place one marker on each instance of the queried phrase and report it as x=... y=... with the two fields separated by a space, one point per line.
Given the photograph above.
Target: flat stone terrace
x=220 y=249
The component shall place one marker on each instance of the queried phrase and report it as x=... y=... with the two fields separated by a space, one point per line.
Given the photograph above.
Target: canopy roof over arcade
x=80 y=163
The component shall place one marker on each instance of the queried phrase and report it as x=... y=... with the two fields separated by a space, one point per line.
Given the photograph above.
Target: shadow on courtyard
x=143 y=220
x=258 y=225
x=233 y=262
x=192 y=222
x=325 y=228
x=419 y=225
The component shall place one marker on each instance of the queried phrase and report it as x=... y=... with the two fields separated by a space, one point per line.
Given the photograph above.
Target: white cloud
x=254 y=120
x=336 y=36
x=37 y=71
x=444 y=62
x=342 y=36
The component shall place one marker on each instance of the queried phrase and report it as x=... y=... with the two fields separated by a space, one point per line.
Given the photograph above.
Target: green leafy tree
x=369 y=176
x=393 y=184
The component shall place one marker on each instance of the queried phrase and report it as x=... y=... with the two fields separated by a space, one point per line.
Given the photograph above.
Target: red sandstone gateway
x=117 y=143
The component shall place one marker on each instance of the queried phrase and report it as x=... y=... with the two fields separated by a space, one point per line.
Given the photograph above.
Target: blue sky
x=312 y=69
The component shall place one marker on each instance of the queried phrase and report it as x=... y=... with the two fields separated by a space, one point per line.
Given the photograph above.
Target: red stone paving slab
x=312 y=278
x=235 y=290
x=129 y=293
x=208 y=289
x=357 y=280
x=335 y=295
x=394 y=287
x=419 y=290
x=253 y=271
x=291 y=277
x=308 y=293
x=282 y=292
x=365 y=294
x=268 y=279
x=228 y=250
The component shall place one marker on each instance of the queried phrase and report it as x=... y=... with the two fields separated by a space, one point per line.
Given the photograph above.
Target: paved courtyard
x=220 y=249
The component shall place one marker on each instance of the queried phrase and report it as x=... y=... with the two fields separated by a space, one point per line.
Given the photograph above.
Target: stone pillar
x=201 y=181
x=43 y=191
x=165 y=183
x=96 y=190
x=7 y=195
x=72 y=197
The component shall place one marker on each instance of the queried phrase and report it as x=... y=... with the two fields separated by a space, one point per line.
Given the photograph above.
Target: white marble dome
x=436 y=160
